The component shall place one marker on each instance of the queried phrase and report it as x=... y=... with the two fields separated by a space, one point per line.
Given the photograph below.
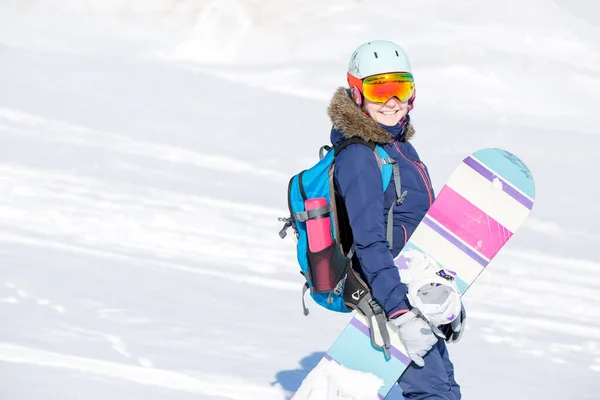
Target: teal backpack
x=347 y=289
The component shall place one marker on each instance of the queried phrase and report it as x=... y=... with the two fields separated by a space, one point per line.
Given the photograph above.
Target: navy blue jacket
x=358 y=179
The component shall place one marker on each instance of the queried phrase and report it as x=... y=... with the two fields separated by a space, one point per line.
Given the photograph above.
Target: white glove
x=439 y=303
x=431 y=290
x=416 y=334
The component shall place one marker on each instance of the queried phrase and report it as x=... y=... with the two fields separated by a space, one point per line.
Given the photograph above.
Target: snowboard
x=484 y=202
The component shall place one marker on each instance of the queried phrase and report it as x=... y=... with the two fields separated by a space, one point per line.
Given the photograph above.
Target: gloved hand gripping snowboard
x=435 y=301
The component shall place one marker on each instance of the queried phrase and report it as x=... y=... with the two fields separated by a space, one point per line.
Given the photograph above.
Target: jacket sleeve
x=358 y=178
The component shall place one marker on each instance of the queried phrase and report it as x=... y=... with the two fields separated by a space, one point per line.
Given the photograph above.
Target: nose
x=392 y=102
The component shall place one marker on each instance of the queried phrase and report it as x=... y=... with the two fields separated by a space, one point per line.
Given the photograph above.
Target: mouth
x=389 y=112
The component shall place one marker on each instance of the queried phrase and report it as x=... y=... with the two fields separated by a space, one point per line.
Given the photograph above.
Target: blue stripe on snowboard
x=514 y=171
x=353 y=350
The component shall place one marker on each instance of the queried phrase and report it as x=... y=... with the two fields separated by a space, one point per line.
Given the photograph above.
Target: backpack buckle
x=400 y=199
x=287 y=225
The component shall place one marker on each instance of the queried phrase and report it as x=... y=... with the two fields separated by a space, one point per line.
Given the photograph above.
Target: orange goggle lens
x=380 y=88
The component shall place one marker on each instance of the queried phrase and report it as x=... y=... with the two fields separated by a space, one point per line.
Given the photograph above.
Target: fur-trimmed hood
x=350 y=121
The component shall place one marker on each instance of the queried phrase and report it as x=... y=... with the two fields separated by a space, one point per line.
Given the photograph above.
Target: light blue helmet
x=373 y=58
x=377 y=57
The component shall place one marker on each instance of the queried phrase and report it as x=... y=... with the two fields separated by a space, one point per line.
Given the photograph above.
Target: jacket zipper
x=421 y=170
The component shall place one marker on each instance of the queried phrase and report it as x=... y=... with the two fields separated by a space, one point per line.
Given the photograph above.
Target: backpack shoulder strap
x=353 y=140
x=400 y=196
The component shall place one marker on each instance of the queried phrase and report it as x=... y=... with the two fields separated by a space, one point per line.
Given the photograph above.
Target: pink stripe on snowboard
x=469 y=223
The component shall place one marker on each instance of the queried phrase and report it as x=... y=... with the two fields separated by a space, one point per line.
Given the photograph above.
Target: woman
x=375 y=109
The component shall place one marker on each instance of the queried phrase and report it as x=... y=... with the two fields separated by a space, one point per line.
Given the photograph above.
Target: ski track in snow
x=19 y=296
x=228 y=387
x=23 y=124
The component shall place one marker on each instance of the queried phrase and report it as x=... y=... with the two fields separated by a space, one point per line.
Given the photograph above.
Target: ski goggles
x=380 y=88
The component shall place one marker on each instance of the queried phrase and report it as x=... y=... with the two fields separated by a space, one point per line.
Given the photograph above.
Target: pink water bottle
x=318 y=230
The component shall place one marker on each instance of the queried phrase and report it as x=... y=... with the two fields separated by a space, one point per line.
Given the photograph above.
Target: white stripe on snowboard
x=482 y=193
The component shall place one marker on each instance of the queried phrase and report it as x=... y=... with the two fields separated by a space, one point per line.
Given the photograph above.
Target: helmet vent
x=376 y=56
x=397 y=55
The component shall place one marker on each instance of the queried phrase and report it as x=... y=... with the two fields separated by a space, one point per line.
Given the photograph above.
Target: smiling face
x=388 y=113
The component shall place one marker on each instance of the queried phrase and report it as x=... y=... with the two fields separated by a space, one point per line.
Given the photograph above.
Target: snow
x=144 y=160
x=330 y=380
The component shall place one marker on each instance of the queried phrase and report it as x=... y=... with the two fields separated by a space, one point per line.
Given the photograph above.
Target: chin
x=389 y=121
